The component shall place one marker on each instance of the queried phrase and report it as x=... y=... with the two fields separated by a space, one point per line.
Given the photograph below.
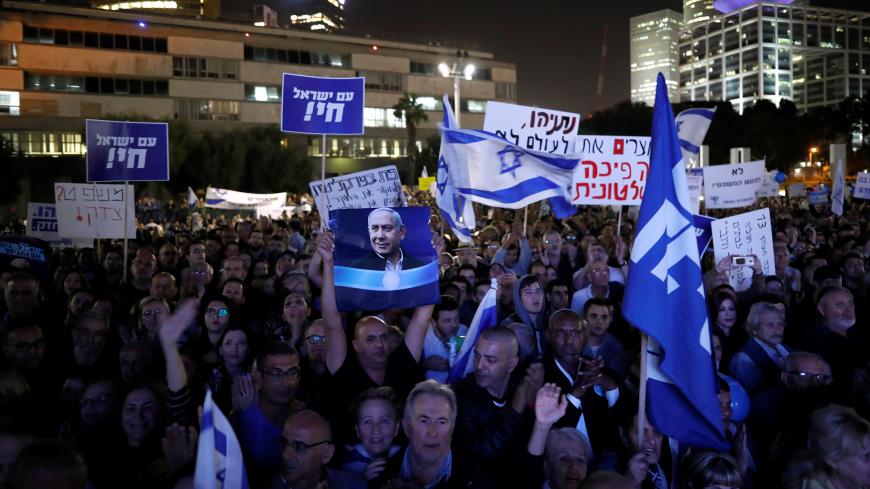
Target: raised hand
x=550 y=404
x=244 y=393
x=173 y=327
x=325 y=247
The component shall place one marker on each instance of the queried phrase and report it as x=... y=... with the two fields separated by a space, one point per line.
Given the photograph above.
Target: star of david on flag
x=477 y=166
x=664 y=297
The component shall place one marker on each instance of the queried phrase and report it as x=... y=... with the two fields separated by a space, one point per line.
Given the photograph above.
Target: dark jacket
x=373 y=261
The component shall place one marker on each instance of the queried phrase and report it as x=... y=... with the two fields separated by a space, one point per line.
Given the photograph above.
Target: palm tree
x=413 y=114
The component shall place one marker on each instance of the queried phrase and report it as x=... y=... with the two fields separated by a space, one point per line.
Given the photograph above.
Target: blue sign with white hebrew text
x=127 y=151
x=318 y=105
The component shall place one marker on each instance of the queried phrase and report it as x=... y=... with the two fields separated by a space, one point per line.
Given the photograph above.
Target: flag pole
x=323 y=223
x=641 y=409
x=126 y=197
x=619 y=222
x=525 y=220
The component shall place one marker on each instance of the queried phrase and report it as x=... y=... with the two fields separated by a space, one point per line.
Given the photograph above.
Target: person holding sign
x=386 y=232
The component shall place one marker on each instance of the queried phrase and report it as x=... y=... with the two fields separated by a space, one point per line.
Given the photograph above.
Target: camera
x=742 y=261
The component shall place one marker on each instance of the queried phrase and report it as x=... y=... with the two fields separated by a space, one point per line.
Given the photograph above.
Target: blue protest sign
x=127 y=151
x=703 y=232
x=318 y=105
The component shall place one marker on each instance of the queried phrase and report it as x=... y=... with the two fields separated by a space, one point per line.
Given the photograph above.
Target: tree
x=413 y=113
x=11 y=173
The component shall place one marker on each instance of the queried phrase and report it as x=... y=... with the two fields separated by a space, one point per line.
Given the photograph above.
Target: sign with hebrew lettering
x=42 y=224
x=127 y=151
x=731 y=186
x=93 y=210
x=221 y=198
x=549 y=131
x=817 y=197
x=695 y=184
x=862 y=186
x=612 y=170
x=379 y=187
x=745 y=234
x=320 y=105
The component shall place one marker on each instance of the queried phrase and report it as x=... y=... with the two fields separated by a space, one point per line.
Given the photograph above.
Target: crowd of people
x=102 y=378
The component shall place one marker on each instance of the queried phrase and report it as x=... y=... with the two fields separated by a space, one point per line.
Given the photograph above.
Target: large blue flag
x=482 y=167
x=219 y=462
x=486 y=317
x=664 y=297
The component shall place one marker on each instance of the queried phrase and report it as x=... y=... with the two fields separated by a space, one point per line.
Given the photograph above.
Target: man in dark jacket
x=386 y=232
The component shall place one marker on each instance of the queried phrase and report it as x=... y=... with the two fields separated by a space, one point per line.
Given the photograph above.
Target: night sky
x=555 y=44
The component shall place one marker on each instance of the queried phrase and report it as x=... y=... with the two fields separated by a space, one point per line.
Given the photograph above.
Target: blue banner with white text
x=320 y=105
x=127 y=151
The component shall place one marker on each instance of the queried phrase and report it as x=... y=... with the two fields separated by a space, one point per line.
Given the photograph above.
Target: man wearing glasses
x=306 y=448
x=258 y=424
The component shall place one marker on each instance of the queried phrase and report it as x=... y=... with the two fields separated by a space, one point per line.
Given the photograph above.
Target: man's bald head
x=312 y=421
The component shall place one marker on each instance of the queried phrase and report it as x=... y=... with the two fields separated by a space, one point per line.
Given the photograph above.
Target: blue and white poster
x=320 y=105
x=384 y=258
x=127 y=151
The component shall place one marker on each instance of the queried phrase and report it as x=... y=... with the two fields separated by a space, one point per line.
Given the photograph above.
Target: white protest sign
x=862 y=186
x=277 y=212
x=87 y=210
x=42 y=224
x=379 y=187
x=220 y=198
x=796 y=190
x=769 y=186
x=730 y=186
x=745 y=234
x=612 y=170
x=550 y=131
x=696 y=184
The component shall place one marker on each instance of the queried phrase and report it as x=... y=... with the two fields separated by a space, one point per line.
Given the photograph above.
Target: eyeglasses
x=25 y=346
x=152 y=312
x=600 y=272
x=820 y=378
x=222 y=312
x=199 y=273
x=551 y=241
x=299 y=446
x=278 y=374
x=316 y=339
x=98 y=400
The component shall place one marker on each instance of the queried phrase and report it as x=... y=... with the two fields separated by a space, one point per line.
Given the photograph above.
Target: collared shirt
x=390 y=267
x=443 y=473
x=776 y=354
x=612 y=395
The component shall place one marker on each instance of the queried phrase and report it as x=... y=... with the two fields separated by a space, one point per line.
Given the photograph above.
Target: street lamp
x=453 y=71
x=813 y=151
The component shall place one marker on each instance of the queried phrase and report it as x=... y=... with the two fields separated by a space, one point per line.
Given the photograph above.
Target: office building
x=60 y=65
x=653 y=49
x=318 y=15
x=209 y=9
x=770 y=50
x=698 y=11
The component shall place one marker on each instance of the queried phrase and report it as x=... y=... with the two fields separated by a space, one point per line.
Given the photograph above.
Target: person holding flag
x=664 y=299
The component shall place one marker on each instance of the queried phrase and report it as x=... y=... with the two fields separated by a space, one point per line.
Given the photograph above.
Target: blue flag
x=477 y=166
x=692 y=125
x=486 y=317
x=664 y=297
x=219 y=462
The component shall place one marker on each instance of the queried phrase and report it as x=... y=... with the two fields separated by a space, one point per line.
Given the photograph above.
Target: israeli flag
x=191 y=198
x=486 y=317
x=692 y=126
x=664 y=297
x=477 y=166
x=219 y=462
x=838 y=190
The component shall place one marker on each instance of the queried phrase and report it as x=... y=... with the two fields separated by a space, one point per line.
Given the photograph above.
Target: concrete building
x=771 y=50
x=318 y=15
x=60 y=65
x=653 y=49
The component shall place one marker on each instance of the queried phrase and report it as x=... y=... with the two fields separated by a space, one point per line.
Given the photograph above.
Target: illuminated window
x=262 y=93
x=10 y=103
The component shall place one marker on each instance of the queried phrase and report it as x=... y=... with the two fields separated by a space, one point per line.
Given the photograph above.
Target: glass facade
x=654 y=40
x=814 y=56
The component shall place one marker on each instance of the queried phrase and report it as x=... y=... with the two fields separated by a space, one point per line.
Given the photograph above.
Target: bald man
x=307 y=447
x=386 y=232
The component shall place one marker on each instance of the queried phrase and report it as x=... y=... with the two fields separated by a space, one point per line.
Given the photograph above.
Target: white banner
x=745 y=234
x=379 y=187
x=730 y=186
x=549 y=131
x=612 y=170
x=276 y=212
x=88 y=210
x=862 y=186
x=219 y=198
x=42 y=224
x=696 y=184
x=796 y=190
